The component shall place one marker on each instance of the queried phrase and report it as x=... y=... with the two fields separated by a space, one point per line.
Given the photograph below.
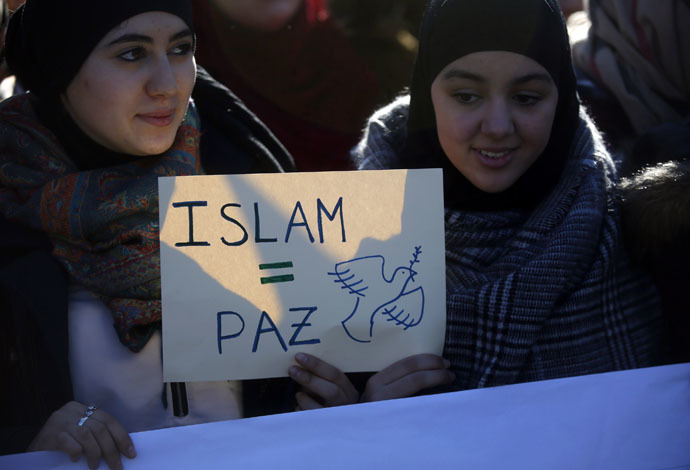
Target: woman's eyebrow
x=182 y=34
x=463 y=74
x=130 y=37
x=542 y=77
x=466 y=75
x=134 y=37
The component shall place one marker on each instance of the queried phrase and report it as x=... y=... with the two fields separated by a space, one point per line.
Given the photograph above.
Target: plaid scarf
x=103 y=223
x=538 y=294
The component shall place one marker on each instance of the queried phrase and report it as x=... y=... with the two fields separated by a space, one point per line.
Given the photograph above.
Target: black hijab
x=454 y=28
x=49 y=40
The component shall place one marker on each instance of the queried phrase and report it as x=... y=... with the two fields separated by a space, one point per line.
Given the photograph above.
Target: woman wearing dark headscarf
x=537 y=284
x=109 y=110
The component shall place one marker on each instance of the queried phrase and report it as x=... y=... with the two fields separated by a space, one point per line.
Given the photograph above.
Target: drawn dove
x=377 y=296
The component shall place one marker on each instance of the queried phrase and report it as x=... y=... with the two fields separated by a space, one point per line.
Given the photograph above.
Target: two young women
x=537 y=284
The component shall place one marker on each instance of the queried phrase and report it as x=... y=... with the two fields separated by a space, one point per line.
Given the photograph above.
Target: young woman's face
x=131 y=93
x=494 y=112
x=259 y=15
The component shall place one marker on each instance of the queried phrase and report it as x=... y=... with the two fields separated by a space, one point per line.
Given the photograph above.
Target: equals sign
x=275 y=279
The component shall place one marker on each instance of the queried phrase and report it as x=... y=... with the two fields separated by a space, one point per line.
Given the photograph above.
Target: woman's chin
x=153 y=147
x=492 y=186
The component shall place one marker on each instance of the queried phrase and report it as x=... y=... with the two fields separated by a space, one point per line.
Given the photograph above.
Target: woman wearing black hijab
x=537 y=284
x=115 y=100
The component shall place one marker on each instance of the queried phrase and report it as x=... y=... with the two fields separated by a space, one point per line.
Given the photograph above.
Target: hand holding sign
x=324 y=385
x=348 y=267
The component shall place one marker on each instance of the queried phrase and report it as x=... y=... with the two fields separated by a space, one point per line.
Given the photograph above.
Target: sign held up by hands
x=347 y=266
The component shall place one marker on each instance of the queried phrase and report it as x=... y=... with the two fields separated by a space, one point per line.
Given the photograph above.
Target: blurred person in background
x=8 y=82
x=571 y=6
x=384 y=34
x=295 y=67
x=633 y=60
x=633 y=63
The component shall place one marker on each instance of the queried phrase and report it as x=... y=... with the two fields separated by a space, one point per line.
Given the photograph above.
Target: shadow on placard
x=375 y=292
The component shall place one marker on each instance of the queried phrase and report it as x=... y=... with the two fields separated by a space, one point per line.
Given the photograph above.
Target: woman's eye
x=465 y=98
x=133 y=54
x=184 y=48
x=526 y=100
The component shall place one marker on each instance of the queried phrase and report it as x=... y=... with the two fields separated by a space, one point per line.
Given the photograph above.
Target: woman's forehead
x=150 y=20
x=484 y=66
x=146 y=27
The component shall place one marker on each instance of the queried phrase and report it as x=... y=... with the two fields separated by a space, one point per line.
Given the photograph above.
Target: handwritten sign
x=348 y=266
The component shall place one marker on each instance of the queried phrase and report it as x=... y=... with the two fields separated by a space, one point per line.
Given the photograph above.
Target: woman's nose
x=162 y=81
x=497 y=120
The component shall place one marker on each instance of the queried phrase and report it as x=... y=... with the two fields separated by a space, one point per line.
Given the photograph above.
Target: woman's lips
x=495 y=157
x=160 y=118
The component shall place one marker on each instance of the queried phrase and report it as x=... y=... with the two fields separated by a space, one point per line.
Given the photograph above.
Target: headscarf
x=637 y=51
x=454 y=28
x=49 y=40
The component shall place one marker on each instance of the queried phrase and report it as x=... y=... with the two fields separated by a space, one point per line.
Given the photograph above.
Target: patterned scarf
x=543 y=293
x=103 y=223
x=638 y=49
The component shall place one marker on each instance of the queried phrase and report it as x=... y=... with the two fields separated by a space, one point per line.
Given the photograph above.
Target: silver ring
x=87 y=414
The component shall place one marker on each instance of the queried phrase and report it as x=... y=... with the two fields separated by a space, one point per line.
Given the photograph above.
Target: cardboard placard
x=348 y=266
